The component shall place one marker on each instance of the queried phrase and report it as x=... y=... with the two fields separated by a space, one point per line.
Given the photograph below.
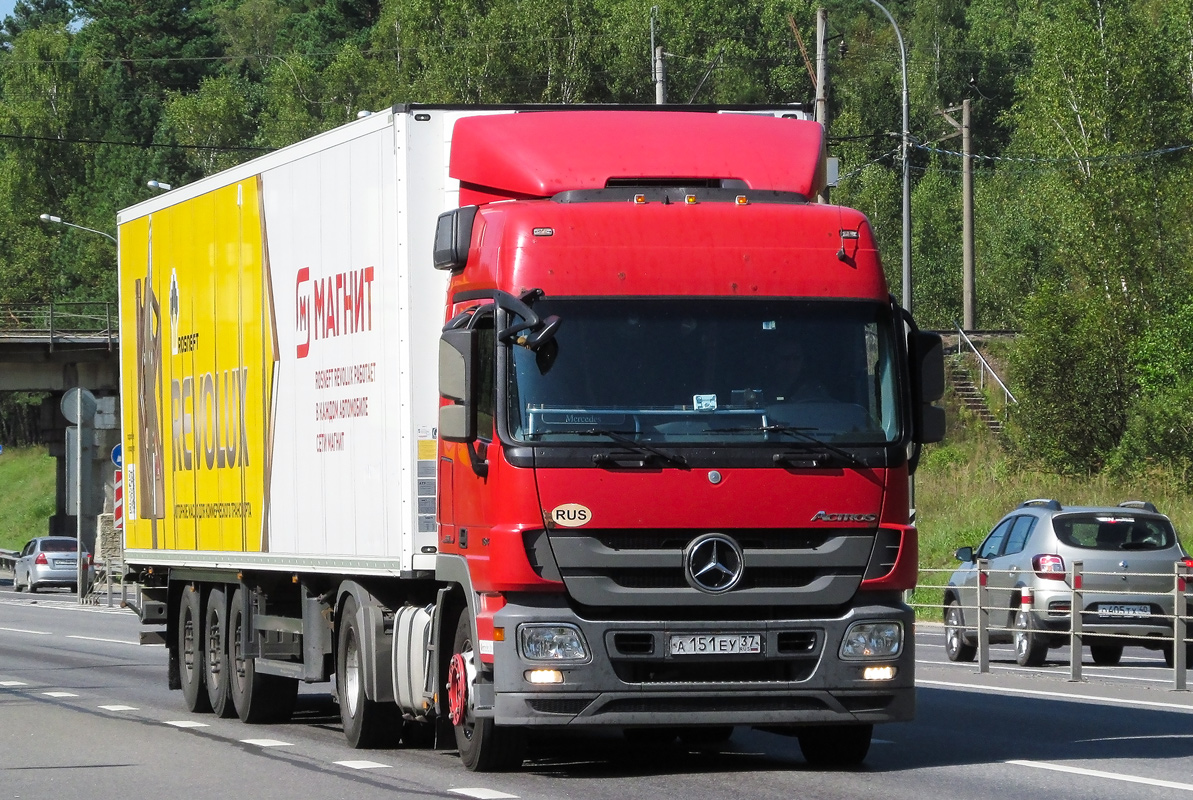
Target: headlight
x=872 y=640
x=552 y=643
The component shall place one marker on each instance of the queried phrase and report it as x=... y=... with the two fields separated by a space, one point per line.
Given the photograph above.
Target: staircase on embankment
x=971 y=397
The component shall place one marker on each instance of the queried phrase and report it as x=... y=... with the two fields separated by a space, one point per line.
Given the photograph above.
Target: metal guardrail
x=1007 y=600
x=61 y=322
x=8 y=559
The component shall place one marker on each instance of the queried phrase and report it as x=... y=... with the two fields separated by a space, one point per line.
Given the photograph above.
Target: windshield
x=709 y=371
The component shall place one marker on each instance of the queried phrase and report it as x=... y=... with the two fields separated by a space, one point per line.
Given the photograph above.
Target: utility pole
x=968 y=283
x=822 y=80
x=969 y=288
x=660 y=76
x=658 y=64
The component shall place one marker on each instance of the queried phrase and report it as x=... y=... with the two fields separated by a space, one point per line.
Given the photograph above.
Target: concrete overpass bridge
x=53 y=348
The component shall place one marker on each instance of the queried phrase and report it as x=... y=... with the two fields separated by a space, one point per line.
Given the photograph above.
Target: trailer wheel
x=190 y=650
x=258 y=699
x=215 y=637
x=836 y=745
x=484 y=747
x=367 y=723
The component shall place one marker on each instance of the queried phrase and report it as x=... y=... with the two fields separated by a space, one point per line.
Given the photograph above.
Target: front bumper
x=630 y=679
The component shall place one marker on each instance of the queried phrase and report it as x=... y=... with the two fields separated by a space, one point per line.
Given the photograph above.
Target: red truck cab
x=680 y=413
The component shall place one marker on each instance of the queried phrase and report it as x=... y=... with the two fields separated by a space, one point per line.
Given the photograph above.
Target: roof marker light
x=690 y=199
x=742 y=200
x=544 y=231
x=640 y=199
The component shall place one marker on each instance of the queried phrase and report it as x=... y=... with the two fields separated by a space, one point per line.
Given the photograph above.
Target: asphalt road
x=84 y=711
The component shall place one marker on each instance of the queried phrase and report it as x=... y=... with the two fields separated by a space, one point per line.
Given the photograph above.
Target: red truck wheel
x=484 y=747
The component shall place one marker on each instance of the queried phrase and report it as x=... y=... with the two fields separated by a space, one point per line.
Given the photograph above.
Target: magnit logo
x=824 y=516
x=331 y=306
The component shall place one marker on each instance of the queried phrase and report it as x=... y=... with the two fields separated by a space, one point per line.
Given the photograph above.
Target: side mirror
x=927 y=363
x=964 y=554
x=458 y=351
x=453 y=237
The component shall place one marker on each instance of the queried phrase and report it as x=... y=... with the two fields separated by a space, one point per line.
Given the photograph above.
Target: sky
x=6 y=8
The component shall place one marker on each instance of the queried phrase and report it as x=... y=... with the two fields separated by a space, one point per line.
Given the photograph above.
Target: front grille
x=736 y=672
x=796 y=641
x=633 y=644
x=697 y=705
x=780 y=568
x=561 y=706
x=860 y=703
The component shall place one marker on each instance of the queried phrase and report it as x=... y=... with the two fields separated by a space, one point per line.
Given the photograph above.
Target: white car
x=50 y=561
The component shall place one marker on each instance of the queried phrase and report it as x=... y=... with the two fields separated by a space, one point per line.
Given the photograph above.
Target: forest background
x=1082 y=135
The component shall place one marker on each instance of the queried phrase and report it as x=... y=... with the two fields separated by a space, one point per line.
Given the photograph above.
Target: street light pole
x=906 y=148
x=60 y=221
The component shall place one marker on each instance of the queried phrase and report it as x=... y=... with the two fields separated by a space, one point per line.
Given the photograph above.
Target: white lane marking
x=101 y=639
x=482 y=794
x=23 y=630
x=1083 y=698
x=120 y=708
x=362 y=764
x=186 y=723
x=1097 y=773
x=1161 y=736
x=65 y=605
x=60 y=694
x=1096 y=672
x=266 y=743
x=13 y=683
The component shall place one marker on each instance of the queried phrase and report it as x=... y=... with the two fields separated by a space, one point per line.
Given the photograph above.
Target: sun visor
x=541 y=153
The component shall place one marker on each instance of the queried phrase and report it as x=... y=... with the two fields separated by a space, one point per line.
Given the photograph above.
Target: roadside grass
x=965 y=485
x=27 y=484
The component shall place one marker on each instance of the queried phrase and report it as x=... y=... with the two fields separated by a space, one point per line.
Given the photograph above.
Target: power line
x=144 y=145
x=1137 y=156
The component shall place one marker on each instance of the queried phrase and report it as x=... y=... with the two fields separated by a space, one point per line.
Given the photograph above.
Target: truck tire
x=835 y=745
x=258 y=699
x=215 y=639
x=191 y=650
x=484 y=746
x=367 y=723
x=1031 y=647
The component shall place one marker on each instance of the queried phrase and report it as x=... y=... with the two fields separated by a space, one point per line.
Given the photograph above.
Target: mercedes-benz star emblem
x=713 y=563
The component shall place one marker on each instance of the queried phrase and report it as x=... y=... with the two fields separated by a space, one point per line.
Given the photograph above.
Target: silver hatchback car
x=50 y=561
x=1128 y=554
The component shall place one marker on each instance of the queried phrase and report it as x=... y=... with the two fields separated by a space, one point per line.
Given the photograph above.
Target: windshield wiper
x=642 y=447
x=809 y=441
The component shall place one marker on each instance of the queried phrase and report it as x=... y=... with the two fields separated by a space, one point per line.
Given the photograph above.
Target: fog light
x=878 y=673
x=552 y=643
x=543 y=676
x=872 y=640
